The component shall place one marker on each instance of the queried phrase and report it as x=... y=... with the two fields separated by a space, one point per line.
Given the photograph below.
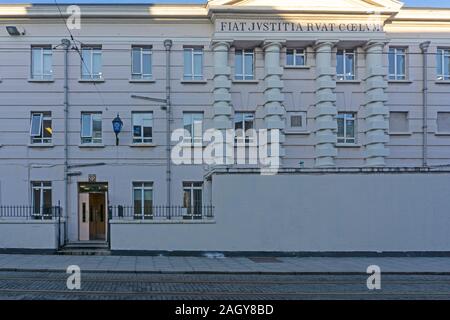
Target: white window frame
x=193 y=51
x=192 y=118
x=142 y=138
x=246 y=116
x=296 y=53
x=445 y=54
x=398 y=51
x=40 y=186
x=344 y=76
x=38 y=137
x=92 y=140
x=349 y=141
x=43 y=51
x=142 y=186
x=192 y=186
x=92 y=50
x=240 y=75
x=144 y=52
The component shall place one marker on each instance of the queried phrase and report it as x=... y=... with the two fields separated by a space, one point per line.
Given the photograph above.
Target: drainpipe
x=168 y=45
x=66 y=44
x=424 y=47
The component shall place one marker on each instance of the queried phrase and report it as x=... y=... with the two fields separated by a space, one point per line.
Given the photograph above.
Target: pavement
x=226 y=265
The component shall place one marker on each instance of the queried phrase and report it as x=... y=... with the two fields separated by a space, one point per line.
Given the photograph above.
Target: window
x=443 y=64
x=141 y=62
x=398 y=122
x=192 y=198
x=345 y=69
x=142 y=127
x=193 y=64
x=244 y=65
x=41 y=63
x=443 y=122
x=397 y=63
x=91 y=64
x=41 y=197
x=346 y=128
x=41 y=127
x=295 y=57
x=193 y=124
x=244 y=121
x=91 y=127
x=296 y=121
x=143 y=199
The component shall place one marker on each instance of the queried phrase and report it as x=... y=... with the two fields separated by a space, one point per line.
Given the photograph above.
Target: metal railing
x=30 y=212
x=161 y=212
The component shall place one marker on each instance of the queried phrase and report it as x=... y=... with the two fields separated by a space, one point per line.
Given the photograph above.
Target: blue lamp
x=117 y=127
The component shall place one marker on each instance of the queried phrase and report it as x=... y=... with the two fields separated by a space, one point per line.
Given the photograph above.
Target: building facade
x=353 y=86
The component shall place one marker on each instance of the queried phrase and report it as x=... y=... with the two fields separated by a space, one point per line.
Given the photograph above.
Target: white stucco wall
x=19 y=234
x=310 y=213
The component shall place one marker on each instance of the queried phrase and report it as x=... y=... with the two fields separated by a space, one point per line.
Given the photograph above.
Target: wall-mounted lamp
x=15 y=31
x=117 y=127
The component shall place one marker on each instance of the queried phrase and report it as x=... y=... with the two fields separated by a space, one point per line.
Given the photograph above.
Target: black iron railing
x=30 y=212
x=161 y=212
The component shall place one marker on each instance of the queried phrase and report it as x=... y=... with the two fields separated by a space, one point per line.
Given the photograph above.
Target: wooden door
x=83 y=215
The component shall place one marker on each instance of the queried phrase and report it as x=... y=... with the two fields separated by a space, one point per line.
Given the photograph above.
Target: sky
x=415 y=3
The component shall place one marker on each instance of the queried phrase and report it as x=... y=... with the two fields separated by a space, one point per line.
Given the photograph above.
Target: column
x=222 y=108
x=376 y=113
x=274 y=112
x=325 y=107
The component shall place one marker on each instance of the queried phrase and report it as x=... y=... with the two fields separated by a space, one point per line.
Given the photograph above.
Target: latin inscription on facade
x=295 y=27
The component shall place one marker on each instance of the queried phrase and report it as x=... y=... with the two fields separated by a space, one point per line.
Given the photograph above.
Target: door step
x=86 y=248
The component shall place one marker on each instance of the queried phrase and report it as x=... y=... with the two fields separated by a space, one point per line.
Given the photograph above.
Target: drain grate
x=265 y=260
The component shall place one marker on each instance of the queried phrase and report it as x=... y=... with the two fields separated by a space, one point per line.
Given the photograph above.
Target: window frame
x=193 y=51
x=295 y=54
x=193 y=210
x=303 y=127
x=192 y=139
x=244 y=136
x=44 y=50
x=437 y=123
x=41 y=186
x=347 y=141
x=407 y=122
x=142 y=186
x=85 y=138
x=93 y=50
x=345 y=53
x=38 y=138
x=142 y=137
x=396 y=76
x=144 y=50
x=440 y=73
x=243 y=53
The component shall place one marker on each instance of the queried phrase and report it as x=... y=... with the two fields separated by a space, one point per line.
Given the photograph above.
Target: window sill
x=91 y=80
x=348 y=81
x=442 y=134
x=165 y=221
x=193 y=81
x=41 y=145
x=41 y=80
x=91 y=145
x=246 y=81
x=400 y=81
x=442 y=82
x=142 y=80
x=297 y=132
x=142 y=145
x=400 y=133
x=348 y=145
x=297 y=67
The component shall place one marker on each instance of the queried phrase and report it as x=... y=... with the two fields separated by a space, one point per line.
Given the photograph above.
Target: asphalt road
x=119 y=286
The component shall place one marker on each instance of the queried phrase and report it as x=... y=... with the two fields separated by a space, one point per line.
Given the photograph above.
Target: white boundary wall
x=351 y=212
x=23 y=234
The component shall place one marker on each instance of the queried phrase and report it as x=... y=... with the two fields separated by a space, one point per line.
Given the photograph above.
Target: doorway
x=92 y=211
